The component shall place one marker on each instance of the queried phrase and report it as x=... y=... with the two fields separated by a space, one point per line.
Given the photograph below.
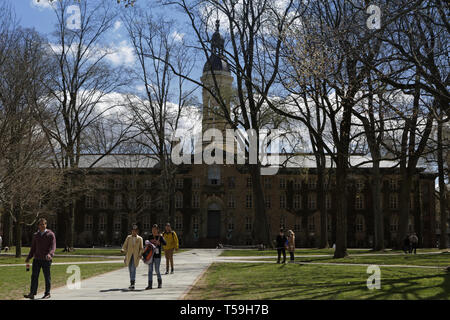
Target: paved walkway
x=189 y=266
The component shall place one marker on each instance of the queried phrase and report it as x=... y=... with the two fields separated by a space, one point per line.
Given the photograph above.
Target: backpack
x=149 y=251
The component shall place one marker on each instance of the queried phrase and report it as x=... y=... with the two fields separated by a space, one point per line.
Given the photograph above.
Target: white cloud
x=123 y=53
x=42 y=4
x=178 y=36
x=117 y=25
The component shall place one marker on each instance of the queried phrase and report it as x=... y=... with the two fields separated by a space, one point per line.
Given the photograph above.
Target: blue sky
x=41 y=17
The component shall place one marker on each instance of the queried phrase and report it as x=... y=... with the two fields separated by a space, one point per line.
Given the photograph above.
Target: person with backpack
x=281 y=243
x=133 y=247
x=171 y=244
x=158 y=241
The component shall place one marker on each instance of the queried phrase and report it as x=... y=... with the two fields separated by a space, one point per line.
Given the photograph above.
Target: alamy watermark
x=374 y=20
x=74 y=280
x=262 y=147
x=374 y=281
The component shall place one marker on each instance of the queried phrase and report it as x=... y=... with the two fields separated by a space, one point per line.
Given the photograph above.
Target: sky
x=41 y=17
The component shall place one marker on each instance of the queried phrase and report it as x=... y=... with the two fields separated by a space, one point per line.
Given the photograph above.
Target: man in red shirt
x=42 y=249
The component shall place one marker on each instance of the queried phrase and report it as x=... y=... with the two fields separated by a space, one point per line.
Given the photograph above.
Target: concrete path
x=189 y=266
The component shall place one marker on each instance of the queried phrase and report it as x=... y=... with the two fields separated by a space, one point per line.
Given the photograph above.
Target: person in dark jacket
x=406 y=244
x=42 y=250
x=281 y=243
x=158 y=241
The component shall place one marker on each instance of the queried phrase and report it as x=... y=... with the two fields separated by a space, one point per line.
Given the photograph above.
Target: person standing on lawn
x=133 y=248
x=291 y=244
x=414 y=241
x=171 y=244
x=42 y=250
x=406 y=244
x=281 y=243
x=158 y=240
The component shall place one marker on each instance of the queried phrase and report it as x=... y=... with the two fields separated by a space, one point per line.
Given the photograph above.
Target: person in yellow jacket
x=133 y=248
x=172 y=244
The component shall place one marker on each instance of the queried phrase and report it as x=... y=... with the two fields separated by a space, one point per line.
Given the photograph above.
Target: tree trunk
x=261 y=230
x=405 y=187
x=442 y=190
x=321 y=200
x=378 y=243
x=18 y=232
x=341 y=214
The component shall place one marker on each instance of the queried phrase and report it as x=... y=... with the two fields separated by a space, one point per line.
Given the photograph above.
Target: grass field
x=254 y=252
x=247 y=281
x=83 y=251
x=438 y=260
x=15 y=281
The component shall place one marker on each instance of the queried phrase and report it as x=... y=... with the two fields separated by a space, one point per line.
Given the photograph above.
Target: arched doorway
x=214 y=211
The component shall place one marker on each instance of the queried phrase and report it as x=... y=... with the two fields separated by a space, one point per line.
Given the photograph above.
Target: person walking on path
x=291 y=244
x=157 y=239
x=171 y=244
x=133 y=248
x=414 y=241
x=42 y=250
x=281 y=243
x=406 y=245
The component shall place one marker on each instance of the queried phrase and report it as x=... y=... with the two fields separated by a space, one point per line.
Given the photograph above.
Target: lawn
x=83 y=251
x=254 y=252
x=249 y=281
x=14 y=260
x=437 y=260
x=15 y=281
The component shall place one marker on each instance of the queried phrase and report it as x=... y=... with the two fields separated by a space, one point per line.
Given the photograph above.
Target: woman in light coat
x=133 y=248
x=291 y=244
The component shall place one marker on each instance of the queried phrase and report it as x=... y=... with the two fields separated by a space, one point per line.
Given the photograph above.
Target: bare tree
x=156 y=113
x=78 y=91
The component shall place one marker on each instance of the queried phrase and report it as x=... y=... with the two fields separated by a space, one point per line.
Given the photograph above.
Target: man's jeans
x=132 y=269
x=157 y=263
x=36 y=269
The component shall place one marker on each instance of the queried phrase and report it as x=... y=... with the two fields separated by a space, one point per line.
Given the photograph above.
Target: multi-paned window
x=118 y=183
x=178 y=222
x=248 y=224
x=267 y=201
x=88 y=222
x=179 y=183
x=178 y=200
x=282 y=183
x=231 y=201
x=359 y=223
x=297 y=184
x=312 y=201
x=196 y=183
x=282 y=201
x=102 y=222
x=195 y=222
x=117 y=223
x=249 y=182
x=118 y=201
x=297 y=201
x=359 y=201
x=89 y=201
x=147 y=203
x=311 y=223
x=312 y=183
x=394 y=223
x=146 y=222
x=248 y=201
x=393 y=183
x=230 y=224
x=195 y=200
x=132 y=201
x=393 y=201
x=103 y=201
